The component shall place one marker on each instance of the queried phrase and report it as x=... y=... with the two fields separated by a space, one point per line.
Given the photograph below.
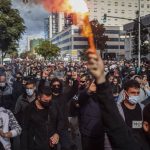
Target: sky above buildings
x=33 y=16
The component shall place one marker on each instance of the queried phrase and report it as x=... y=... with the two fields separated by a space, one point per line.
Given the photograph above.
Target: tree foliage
x=27 y=54
x=13 y=54
x=11 y=26
x=47 y=50
x=99 y=37
x=144 y=33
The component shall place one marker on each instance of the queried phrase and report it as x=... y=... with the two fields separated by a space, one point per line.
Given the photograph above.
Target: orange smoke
x=81 y=15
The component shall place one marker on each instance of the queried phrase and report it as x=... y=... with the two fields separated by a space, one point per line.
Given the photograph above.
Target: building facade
x=115 y=43
x=114 y=27
x=71 y=42
x=128 y=28
x=54 y=24
x=33 y=41
x=116 y=8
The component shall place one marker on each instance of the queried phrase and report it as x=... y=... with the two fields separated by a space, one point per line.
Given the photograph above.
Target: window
x=113 y=39
x=112 y=32
x=115 y=47
x=142 y=5
x=80 y=39
x=129 y=5
x=76 y=31
x=122 y=4
x=123 y=11
x=80 y=46
x=109 y=10
x=116 y=3
x=66 y=48
x=148 y=5
x=116 y=11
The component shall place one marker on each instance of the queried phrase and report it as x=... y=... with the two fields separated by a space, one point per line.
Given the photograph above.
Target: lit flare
x=81 y=15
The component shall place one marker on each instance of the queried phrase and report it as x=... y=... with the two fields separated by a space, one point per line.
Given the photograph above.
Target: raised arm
x=120 y=136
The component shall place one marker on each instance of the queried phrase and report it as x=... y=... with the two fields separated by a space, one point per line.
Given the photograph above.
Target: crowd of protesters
x=90 y=105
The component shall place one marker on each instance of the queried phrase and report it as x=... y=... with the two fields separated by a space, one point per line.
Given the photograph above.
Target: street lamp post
x=119 y=47
x=139 y=35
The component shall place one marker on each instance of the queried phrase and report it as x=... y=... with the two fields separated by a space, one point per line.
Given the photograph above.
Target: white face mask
x=2 y=84
x=134 y=99
x=147 y=92
x=29 y=92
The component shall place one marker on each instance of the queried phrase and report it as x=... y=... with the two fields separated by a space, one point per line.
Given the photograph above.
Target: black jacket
x=1 y=146
x=121 y=137
x=21 y=104
x=37 y=129
x=63 y=99
x=90 y=118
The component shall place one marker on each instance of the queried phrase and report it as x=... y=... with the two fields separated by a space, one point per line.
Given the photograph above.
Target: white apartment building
x=54 y=24
x=114 y=27
x=117 y=8
x=97 y=9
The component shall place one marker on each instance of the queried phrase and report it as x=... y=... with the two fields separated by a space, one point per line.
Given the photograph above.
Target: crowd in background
x=55 y=105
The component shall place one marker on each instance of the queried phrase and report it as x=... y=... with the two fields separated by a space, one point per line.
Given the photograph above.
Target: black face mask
x=56 y=90
x=45 y=104
x=82 y=87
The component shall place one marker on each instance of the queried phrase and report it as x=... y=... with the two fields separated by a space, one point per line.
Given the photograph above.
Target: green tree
x=83 y=55
x=47 y=50
x=27 y=54
x=11 y=26
x=31 y=55
x=100 y=38
x=13 y=54
x=144 y=33
x=23 y=55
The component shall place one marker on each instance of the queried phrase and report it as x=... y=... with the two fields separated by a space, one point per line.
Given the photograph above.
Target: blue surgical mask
x=29 y=92
x=134 y=99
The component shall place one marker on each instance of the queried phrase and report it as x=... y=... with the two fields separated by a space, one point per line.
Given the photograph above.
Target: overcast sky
x=33 y=16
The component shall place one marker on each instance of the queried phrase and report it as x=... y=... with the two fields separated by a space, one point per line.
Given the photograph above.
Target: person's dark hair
x=131 y=84
x=85 y=75
x=56 y=80
x=45 y=91
x=19 y=73
x=118 y=80
x=30 y=81
x=146 y=113
x=108 y=76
